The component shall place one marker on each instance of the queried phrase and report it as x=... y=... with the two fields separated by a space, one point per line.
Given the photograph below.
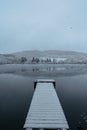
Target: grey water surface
x=16 y=91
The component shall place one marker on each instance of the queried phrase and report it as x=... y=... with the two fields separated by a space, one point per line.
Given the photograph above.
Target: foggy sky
x=43 y=25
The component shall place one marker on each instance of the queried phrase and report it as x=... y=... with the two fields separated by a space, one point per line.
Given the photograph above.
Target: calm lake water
x=16 y=93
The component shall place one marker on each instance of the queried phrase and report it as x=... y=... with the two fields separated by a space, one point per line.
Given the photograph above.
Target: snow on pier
x=45 y=110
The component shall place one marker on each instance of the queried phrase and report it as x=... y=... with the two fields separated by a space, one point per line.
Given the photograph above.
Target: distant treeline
x=36 y=60
x=52 y=61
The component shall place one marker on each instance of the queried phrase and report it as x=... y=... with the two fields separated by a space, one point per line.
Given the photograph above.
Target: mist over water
x=16 y=91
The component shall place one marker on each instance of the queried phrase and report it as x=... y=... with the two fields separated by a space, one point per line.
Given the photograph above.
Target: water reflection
x=49 y=69
x=44 y=69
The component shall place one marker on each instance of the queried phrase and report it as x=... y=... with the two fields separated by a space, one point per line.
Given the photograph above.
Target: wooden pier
x=45 y=110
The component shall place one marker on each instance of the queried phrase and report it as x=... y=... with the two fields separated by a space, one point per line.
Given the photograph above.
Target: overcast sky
x=43 y=25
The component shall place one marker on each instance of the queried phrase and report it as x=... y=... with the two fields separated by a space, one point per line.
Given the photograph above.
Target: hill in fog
x=58 y=56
